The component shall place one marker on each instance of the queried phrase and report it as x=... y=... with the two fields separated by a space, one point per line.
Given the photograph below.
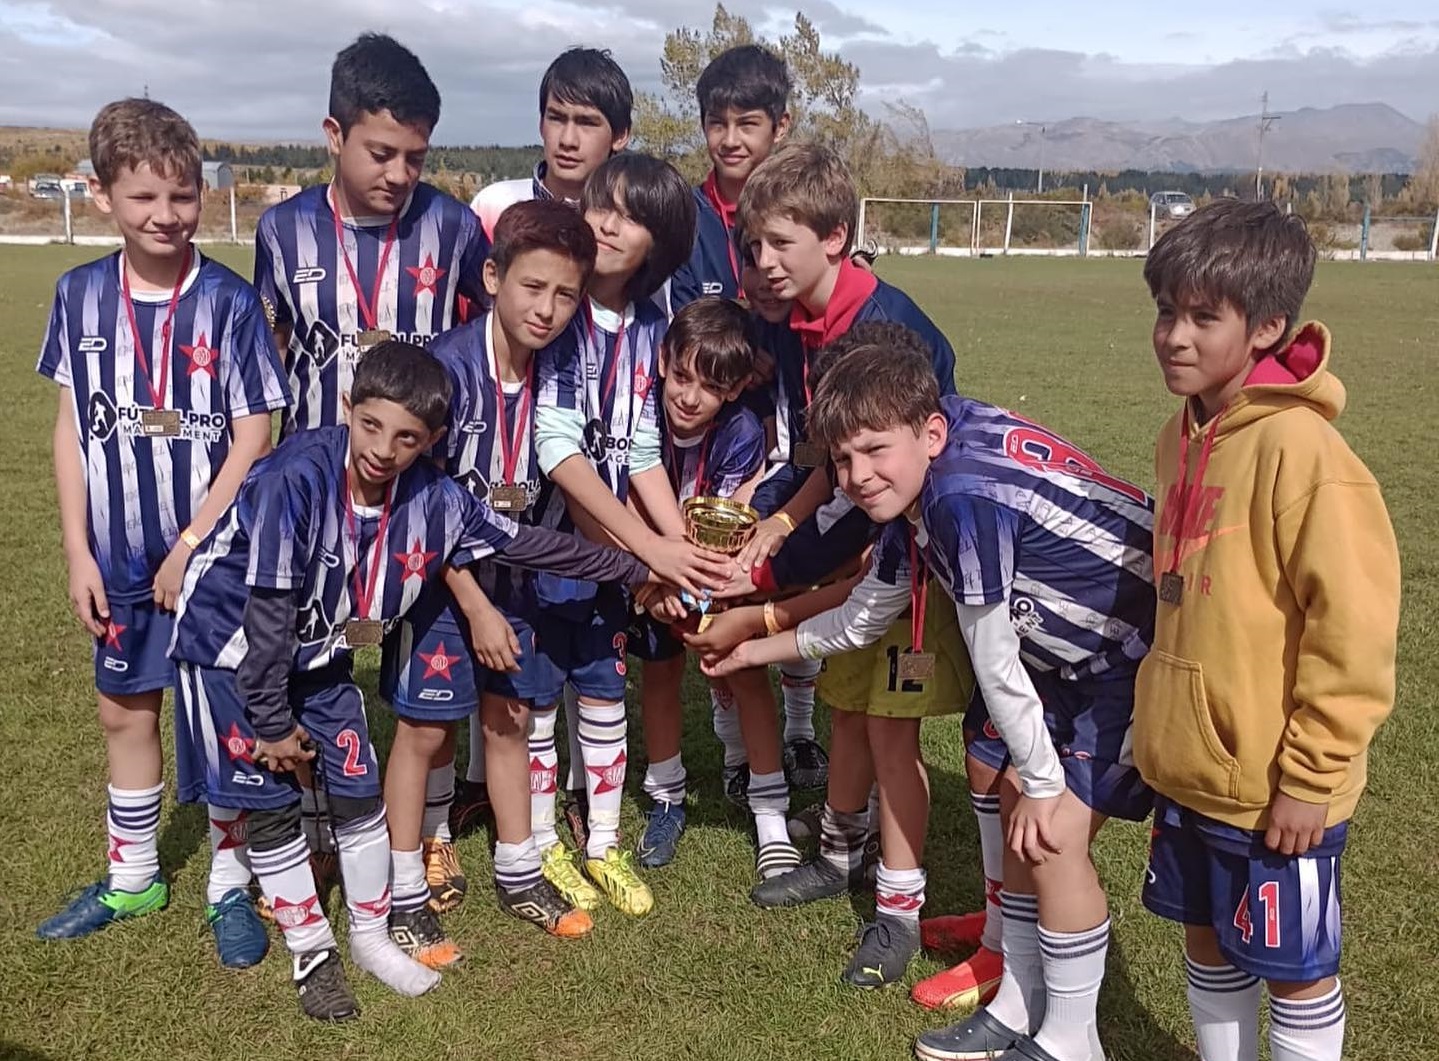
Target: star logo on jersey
x=237 y=833
x=117 y=846
x=113 y=630
x=642 y=383
x=610 y=777
x=203 y=357
x=239 y=747
x=543 y=779
x=427 y=274
x=437 y=662
x=378 y=907
x=297 y=915
x=415 y=561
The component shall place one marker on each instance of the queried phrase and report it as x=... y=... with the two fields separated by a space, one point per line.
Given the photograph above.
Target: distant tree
x=1422 y=191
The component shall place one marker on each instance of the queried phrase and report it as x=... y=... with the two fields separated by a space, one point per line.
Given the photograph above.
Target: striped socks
x=1224 y=1004
x=133 y=822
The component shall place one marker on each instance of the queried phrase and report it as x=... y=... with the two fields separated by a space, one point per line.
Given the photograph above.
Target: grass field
x=708 y=975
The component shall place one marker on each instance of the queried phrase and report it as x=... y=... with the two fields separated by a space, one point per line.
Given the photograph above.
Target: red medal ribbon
x=1187 y=490
x=510 y=442
x=918 y=593
x=726 y=214
x=157 y=388
x=599 y=348
x=705 y=444
x=364 y=585
x=369 y=311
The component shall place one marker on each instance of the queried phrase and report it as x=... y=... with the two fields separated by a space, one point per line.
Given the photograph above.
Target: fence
x=228 y=216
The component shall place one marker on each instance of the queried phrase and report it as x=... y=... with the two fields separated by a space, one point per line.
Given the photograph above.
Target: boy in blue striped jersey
x=167 y=377
x=329 y=542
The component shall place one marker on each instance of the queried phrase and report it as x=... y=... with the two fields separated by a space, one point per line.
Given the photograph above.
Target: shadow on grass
x=186 y=831
x=14 y=1052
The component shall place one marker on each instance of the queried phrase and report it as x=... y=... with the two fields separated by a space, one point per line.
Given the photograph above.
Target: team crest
x=415 y=561
x=609 y=777
x=237 y=746
x=203 y=357
x=427 y=275
x=438 y=663
x=543 y=779
x=296 y=915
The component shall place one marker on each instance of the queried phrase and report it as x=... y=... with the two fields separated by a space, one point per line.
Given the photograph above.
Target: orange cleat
x=952 y=932
x=968 y=984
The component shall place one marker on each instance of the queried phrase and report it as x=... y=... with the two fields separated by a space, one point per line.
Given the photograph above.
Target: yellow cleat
x=444 y=876
x=558 y=865
x=616 y=876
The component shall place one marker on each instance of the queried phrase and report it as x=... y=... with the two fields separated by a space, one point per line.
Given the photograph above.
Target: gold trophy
x=719 y=524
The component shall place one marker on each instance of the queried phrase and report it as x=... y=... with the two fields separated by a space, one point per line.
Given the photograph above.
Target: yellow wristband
x=190 y=538
x=786 y=519
x=771 y=621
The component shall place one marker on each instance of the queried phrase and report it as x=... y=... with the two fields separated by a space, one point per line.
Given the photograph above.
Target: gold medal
x=360 y=633
x=916 y=666
x=505 y=498
x=808 y=455
x=160 y=423
x=1171 y=588
x=372 y=337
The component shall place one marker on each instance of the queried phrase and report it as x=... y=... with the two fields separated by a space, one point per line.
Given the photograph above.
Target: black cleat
x=819 y=879
x=805 y=764
x=886 y=946
x=471 y=807
x=541 y=904
x=418 y=933
x=324 y=992
x=736 y=785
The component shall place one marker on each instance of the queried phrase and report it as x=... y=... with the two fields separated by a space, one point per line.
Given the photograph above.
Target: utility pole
x=1039 y=184
x=1265 y=121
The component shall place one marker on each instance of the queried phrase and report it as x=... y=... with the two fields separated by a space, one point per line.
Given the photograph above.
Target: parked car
x=47 y=189
x=1171 y=205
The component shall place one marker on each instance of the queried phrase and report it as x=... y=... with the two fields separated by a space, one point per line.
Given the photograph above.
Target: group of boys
x=492 y=419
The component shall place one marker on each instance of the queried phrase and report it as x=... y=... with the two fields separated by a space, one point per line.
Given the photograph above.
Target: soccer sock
x=1309 y=1029
x=991 y=851
x=665 y=780
x=1019 y=1003
x=134 y=823
x=726 y=726
x=768 y=802
x=315 y=820
x=475 y=768
x=796 y=682
x=602 y=731
x=229 y=852
x=411 y=890
x=1073 y=970
x=1224 y=1003
x=517 y=866
x=439 y=794
x=575 y=778
x=288 y=884
x=841 y=837
x=899 y=893
x=365 y=866
x=544 y=768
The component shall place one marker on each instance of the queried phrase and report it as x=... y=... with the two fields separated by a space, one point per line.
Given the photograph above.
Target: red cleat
x=968 y=984
x=953 y=932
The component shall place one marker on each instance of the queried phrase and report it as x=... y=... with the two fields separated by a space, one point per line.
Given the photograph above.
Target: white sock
x=1019 y=1003
x=517 y=866
x=991 y=851
x=768 y=801
x=1310 y=1029
x=439 y=794
x=726 y=727
x=665 y=780
x=229 y=852
x=602 y=732
x=133 y=819
x=575 y=778
x=1224 y=1004
x=841 y=837
x=796 y=682
x=1073 y=972
x=544 y=769
x=377 y=954
x=289 y=885
x=475 y=768
x=411 y=890
x=899 y=893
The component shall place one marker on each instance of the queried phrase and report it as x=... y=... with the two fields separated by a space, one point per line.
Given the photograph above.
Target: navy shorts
x=1089 y=724
x=1276 y=916
x=214 y=744
x=429 y=674
x=654 y=641
x=588 y=652
x=778 y=487
x=134 y=654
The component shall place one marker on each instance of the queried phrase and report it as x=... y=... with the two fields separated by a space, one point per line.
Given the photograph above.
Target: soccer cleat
x=736 y=785
x=444 y=876
x=978 y=1038
x=805 y=825
x=775 y=859
x=557 y=863
x=324 y=992
x=819 y=879
x=869 y=859
x=970 y=983
x=99 y=905
x=471 y=807
x=952 y=932
x=805 y=764
x=542 y=904
x=886 y=946
x=616 y=876
x=419 y=935
x=240 y=938
x=664 y=825
x=576 y=809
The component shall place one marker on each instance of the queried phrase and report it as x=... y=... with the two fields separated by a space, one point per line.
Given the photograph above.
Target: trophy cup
x=719 y=524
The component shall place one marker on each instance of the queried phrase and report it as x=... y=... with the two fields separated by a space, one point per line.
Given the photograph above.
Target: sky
x=259 y=69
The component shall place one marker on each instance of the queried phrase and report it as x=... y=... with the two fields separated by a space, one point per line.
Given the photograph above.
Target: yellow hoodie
x=1275 y=667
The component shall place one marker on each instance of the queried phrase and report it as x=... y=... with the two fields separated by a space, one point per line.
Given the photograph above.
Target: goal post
x=976 y=227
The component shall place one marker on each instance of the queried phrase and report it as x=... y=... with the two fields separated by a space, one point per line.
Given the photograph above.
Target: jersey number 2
x=1269 y=899
x=350 y=741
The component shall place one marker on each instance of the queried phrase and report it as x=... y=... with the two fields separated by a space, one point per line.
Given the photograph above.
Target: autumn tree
x=1422 y=189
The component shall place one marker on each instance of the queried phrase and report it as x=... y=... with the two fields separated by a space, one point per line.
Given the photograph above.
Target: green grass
x=708 y=975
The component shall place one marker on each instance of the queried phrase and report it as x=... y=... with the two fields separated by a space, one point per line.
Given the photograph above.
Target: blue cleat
x=664 y=826
x=240 y=937
x=99 y=905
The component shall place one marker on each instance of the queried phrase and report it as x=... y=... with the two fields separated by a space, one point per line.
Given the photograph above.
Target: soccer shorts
x=867 y=680
x=214 y=744
x=653 y=640
x=588 y=652
x=133 y=655
x=1276 y=916
x=1089 y=724
x=429 y=674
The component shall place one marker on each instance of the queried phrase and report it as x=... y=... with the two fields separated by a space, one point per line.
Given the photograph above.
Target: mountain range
x=1355 y=138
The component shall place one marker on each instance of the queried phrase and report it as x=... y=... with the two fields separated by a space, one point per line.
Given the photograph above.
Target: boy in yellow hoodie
x=1273 y=656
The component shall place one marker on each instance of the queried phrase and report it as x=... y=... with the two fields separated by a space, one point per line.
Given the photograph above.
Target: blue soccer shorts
x=133 y=655
x=1089 y=724
x=214 y=744
x=1276 y=916
x=654 y=640
x=587 y=651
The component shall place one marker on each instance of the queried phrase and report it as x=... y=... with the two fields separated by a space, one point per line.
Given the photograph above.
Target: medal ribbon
x=369 y=311
x=678 y=464
x=918 y=593
x=598 y=347
x=1188 y=490
x=364 y=584
x=725 y=212
x=157 y=387
x=510 y=442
